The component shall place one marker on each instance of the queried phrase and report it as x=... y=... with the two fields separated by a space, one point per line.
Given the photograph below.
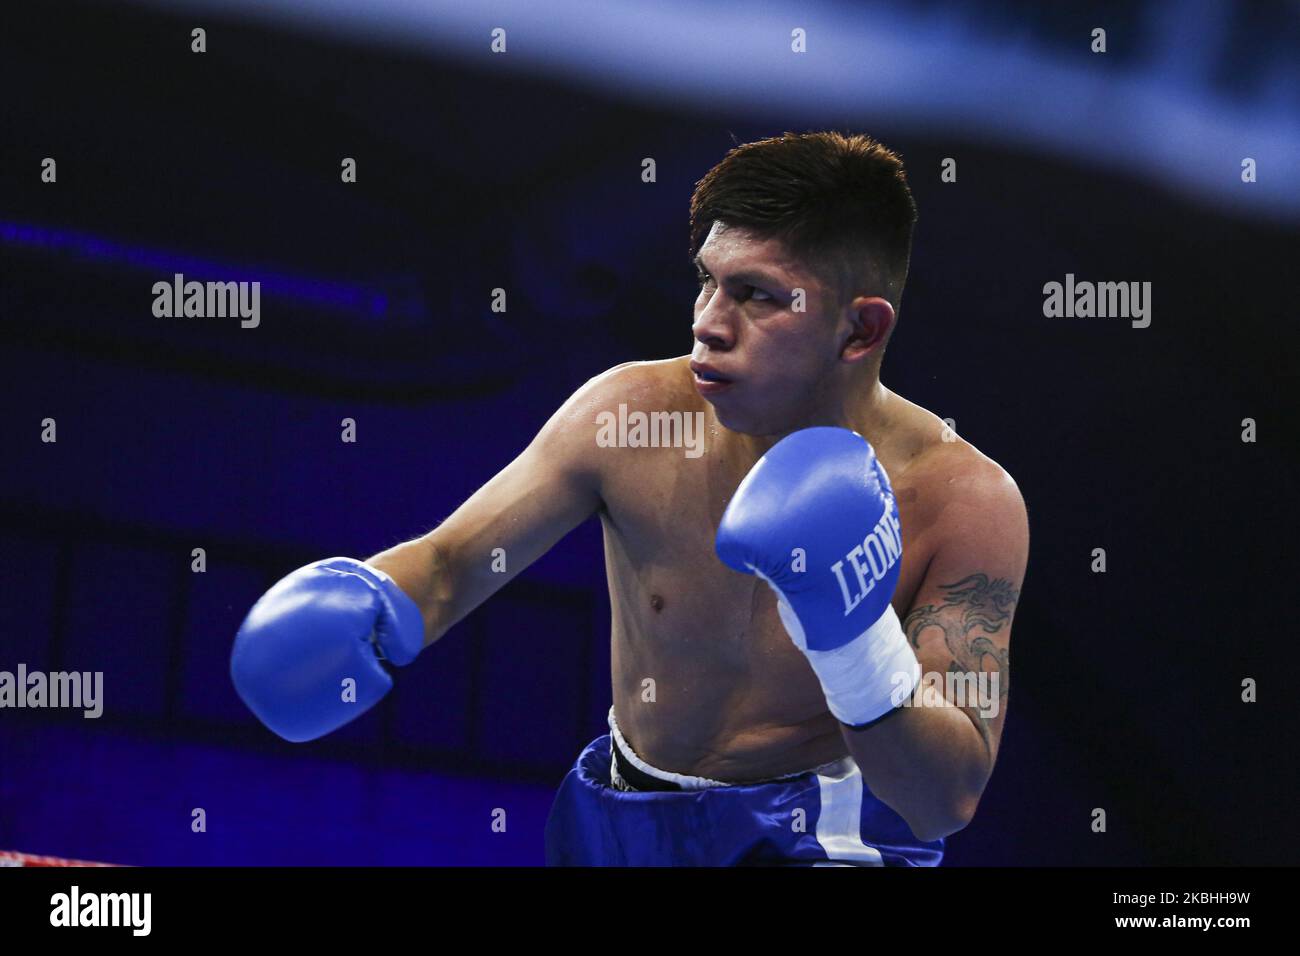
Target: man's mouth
x=708 y=380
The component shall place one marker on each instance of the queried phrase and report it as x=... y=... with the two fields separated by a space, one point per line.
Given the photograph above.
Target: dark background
x=175 y=434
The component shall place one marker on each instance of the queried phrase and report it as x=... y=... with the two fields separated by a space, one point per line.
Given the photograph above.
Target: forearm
x=928 y=763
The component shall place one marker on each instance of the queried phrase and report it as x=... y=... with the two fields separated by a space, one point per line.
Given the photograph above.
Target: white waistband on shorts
x=686 y=781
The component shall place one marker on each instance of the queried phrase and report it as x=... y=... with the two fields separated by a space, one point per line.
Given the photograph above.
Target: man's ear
x=872 y=318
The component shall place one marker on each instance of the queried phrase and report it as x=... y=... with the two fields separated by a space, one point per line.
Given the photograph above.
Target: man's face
x=777 y=366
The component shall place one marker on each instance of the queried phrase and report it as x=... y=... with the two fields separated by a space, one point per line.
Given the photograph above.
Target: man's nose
x=713 y=328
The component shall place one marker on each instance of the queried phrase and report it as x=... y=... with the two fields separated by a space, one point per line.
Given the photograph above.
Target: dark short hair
x=839 y=203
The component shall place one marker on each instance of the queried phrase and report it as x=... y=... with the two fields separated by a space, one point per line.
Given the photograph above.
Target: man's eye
x=704 y=278
x=758 y=295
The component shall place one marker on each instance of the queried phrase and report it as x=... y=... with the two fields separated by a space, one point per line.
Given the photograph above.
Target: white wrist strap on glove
x=869 y=676
x=864 y=679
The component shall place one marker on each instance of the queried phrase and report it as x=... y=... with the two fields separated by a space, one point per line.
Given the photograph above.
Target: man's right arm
x=313 y=652
x=549 y=489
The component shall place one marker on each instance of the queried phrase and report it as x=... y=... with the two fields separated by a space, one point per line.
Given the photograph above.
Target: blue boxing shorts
x=614 y=809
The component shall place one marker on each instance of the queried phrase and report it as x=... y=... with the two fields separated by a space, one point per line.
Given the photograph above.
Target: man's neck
x=865 y=414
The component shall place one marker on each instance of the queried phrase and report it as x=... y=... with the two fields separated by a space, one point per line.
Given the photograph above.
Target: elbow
x=941 y=821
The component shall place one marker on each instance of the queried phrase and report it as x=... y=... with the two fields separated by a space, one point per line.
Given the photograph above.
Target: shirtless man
x=740 y=733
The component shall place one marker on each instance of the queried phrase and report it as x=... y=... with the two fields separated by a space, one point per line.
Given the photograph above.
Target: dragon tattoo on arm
x=973 y=610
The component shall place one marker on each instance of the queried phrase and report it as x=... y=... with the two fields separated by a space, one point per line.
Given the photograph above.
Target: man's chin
x=736 y=420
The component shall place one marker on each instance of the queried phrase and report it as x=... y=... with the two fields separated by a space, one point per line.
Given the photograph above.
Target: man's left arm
x=929 y=761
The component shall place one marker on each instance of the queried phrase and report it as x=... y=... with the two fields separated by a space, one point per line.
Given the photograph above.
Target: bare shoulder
x=647 y=385
x=635 y=384
x=963 y=491
x=574 y=433
x=967 y=478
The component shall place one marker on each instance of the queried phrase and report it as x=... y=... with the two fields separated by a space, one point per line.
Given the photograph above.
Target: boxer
x=782 y=599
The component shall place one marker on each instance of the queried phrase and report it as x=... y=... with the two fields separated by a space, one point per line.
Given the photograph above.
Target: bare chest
x=662 y=514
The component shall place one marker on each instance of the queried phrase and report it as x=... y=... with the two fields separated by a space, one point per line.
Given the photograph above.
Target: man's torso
x=705 y=680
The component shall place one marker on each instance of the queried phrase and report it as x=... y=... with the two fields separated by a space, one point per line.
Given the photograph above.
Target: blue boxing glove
x=816 y=519
x=324 y=624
